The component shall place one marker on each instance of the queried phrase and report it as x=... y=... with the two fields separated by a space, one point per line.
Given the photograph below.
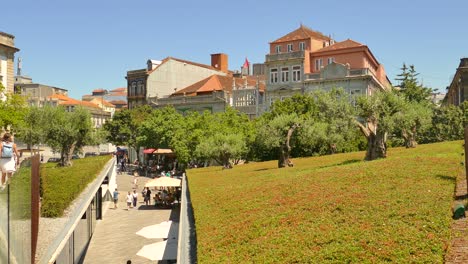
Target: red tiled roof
x=217 y=83
x=98 y=90
x=118 y=102
x=65 y=100
x=119 y=90
x=342 y=45
x=104 y=102
x=302 y=32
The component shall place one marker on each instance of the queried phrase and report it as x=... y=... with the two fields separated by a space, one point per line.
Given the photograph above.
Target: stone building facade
x=7 y=61
x=162 y=78
x=297 y=61
x=37 y=94
x=457 y=92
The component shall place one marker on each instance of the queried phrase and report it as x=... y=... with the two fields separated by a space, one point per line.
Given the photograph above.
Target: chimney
x=220 y=61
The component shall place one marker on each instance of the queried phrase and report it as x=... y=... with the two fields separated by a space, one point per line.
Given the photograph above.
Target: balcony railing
x=351 y=72
x=284 y=56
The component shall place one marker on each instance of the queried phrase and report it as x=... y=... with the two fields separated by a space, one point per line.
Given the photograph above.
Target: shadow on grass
x=264 y=169
x=346 y=162
x=446 y=178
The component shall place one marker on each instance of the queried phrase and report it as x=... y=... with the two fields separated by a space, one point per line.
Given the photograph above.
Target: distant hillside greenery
x=330 y=209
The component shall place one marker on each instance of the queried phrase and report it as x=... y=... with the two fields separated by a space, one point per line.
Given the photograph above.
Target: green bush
x=61 y=185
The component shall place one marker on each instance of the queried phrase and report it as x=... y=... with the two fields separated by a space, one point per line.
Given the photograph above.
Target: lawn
x=330 y=209
x=61 y=185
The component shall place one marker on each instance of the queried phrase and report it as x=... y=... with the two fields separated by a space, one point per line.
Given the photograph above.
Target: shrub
x=61 y=185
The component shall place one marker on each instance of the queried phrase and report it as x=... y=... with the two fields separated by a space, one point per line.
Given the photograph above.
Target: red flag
x=246 y=63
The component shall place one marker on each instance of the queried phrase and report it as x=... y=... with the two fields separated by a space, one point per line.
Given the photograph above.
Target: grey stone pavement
x=115 y=239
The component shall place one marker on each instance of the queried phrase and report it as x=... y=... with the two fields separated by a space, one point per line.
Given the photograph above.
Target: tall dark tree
x=124 y=127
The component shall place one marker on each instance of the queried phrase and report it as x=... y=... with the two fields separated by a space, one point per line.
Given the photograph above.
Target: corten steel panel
x=466 y=156
x=35 y=169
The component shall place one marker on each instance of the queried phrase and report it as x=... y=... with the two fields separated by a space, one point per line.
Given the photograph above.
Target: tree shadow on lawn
x=346 y=162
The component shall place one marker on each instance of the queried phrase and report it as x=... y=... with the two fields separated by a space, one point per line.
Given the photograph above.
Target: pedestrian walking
x=116 y=198
x=129 y=200
x=135 y=181
x=9 y=159
x=135 y=198
x=147 y=196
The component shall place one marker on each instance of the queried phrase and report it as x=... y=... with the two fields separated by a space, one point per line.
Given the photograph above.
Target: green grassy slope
x=330 y=209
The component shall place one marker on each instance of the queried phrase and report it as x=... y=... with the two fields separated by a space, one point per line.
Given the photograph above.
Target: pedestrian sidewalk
x=115 y=239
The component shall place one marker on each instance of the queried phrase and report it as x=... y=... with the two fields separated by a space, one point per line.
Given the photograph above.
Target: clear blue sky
x=88 y=44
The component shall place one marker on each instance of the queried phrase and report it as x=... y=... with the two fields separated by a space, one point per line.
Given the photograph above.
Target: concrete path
x=115 y=239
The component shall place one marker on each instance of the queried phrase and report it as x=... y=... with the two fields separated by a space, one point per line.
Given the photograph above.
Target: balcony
x=350 y=73
x=284 y=56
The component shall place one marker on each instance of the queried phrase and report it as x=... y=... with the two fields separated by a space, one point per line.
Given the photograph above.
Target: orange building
x=305 y=60
x=98 y=115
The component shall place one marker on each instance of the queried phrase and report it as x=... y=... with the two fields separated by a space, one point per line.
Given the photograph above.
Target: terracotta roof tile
x=118 y=102
x=218 y=83
x=65 y=100
x=302 y=32
x=342 y=45
x=119 y=90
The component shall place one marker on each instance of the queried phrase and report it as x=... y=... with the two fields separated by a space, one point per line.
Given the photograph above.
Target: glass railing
x=15 y=217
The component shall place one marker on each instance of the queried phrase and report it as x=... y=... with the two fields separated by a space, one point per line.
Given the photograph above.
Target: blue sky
x=88 y=44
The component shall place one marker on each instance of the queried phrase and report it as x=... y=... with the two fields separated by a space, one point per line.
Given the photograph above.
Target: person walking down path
x=147 y=196
x=129 y=200
x=116 y=198
x=9 y=159
x=135 y=181
x=135 y=198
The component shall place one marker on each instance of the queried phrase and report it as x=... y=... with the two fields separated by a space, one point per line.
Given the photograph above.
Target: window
x=278 y=49
x=318 y=64
x=355 y=93
x=296 y=73
x=331 y=60
x=273 y=75
x=302 y=46
x=140 y=88
x=285 y=74
x=290 y=47
x=133 y=90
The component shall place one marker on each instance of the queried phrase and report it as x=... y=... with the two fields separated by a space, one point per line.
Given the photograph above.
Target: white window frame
x=330 y=60
x=290 y=47
x=301 y=46
x=274 y=75
x=278 y=48
x=284 y=74
x=296 y=73
x=318 y=64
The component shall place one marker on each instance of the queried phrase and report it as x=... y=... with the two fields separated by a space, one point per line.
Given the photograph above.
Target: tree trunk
x=376 y=141
x=285 y=149
x=376 y=147
x=67 y=155
x=410 y=138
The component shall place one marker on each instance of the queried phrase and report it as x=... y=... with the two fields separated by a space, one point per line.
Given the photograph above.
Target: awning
x=148 y=151
x=163 y=151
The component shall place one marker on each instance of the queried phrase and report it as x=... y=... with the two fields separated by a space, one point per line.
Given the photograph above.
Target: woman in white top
x=129 y=200
x=8 y=163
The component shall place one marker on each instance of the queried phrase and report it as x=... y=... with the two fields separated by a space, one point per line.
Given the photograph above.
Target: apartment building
x=305 y=60
x=7 y=60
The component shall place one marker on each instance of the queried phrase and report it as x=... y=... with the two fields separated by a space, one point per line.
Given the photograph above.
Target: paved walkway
x=458 y=250
x=115 y=239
